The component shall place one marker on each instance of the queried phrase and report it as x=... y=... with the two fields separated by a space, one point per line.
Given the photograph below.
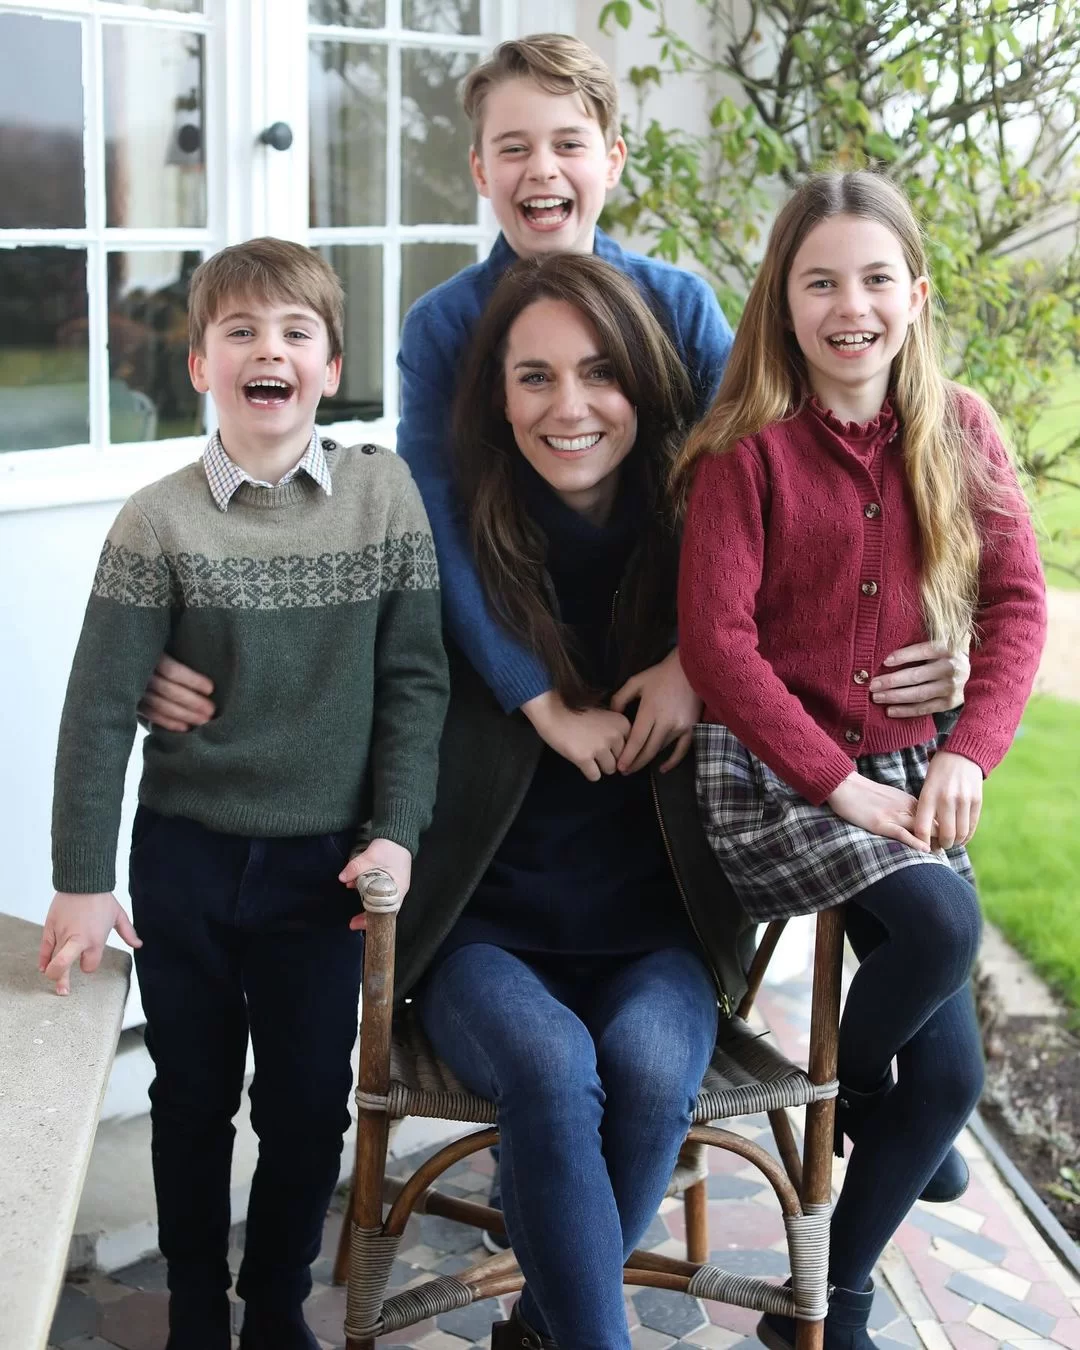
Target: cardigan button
x=869 y=588
x=369 y=449
x=861 y=676
x=871 y=510
x=329 y=445
x=852 y=736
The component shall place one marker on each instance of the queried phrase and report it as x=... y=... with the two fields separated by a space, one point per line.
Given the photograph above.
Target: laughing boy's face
x=544 y=165
x=266 y=366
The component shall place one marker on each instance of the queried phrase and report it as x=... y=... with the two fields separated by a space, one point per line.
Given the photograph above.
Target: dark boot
x=516 y=1334
x=949 y=1182
x=845 y=1326
x=275 y=1328
x=199 y=1322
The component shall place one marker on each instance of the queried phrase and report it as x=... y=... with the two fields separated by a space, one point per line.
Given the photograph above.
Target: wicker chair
x=400 y=1076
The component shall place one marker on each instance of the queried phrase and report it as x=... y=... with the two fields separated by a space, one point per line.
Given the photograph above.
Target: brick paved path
x=972 y=1275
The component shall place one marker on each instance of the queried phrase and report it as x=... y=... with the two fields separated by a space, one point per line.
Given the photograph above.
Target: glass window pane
x=150 y=395
x=361 y=392
x=443 y=16
x=155 y=174
x=348 y=134
x=435 y=184
x=184 y=6
x=348 y=13
x=44 y=358
x=41 y=124
x=426 y=265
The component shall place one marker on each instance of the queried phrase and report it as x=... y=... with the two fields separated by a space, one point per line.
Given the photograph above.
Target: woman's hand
x=177 y=697
x=384 y=854
x=878 y=808
x=667 y=711
x=592 y=739
x=76 y=927
x=932 y=682
x=950 y=800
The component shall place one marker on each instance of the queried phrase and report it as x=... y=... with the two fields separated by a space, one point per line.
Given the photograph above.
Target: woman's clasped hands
x=604 y=741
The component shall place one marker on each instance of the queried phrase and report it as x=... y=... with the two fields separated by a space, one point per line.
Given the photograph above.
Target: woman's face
x=571 y=420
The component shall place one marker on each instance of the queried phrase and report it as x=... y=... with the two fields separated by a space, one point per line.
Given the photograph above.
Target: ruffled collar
x=862 y=438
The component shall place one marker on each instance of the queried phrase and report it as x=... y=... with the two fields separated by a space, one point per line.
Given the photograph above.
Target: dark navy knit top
x=583 y=869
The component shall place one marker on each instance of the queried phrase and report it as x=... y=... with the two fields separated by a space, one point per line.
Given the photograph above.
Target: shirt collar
x=503 y=256
x=225 y=476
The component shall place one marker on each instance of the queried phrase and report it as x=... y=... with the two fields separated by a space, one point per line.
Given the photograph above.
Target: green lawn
x=1027 y=848
x=1057 y=508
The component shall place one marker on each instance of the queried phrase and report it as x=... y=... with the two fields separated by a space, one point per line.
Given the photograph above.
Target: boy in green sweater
x=301 y=577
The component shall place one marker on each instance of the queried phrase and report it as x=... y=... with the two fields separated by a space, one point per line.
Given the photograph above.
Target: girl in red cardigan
x=845 y=500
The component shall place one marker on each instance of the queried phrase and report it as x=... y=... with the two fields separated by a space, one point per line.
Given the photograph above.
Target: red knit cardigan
x=800 y=574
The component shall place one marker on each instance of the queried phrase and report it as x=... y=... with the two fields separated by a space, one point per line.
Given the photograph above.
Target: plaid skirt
x=786 y=857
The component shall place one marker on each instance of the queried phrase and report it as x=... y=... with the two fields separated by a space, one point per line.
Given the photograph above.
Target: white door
x=136 y=138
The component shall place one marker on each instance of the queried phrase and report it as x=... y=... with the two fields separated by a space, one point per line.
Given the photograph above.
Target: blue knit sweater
x=435 y=336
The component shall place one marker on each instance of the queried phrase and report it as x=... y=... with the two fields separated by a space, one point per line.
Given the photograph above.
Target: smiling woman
x=571 y=375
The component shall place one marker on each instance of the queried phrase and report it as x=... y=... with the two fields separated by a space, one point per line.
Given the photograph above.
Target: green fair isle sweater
x=318 y=619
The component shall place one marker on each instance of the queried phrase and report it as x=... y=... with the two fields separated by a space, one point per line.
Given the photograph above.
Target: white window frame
x=256 y=54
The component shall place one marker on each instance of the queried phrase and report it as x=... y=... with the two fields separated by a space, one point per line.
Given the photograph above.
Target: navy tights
x=916 y=934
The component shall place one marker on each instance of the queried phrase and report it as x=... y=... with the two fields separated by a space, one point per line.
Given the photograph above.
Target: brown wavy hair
x=509 y=547
x=766 y=381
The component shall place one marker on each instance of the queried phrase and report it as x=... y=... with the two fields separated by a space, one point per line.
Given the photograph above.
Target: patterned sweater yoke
x=317 y=618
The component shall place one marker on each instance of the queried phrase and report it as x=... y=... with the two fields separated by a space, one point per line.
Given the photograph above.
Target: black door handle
x=278 y=136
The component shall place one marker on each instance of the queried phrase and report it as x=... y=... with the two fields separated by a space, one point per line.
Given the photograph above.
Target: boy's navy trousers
x=245 y=937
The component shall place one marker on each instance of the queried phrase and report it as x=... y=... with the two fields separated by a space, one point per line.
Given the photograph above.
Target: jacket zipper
x=725 y=1001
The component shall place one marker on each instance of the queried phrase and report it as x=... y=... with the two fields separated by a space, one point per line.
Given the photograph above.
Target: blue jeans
x=244 y=937
x=594 y=1065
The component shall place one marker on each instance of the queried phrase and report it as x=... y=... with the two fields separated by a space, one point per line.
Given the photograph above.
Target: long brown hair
x=766 y=381
x=509 y=547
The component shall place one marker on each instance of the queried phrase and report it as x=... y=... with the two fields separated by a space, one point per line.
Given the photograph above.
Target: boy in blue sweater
x=546 y=151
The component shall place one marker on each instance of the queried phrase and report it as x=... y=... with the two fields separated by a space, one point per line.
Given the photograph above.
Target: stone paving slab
x=972 y=1275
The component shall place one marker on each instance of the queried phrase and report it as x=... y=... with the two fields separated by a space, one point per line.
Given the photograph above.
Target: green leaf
x=619 y=10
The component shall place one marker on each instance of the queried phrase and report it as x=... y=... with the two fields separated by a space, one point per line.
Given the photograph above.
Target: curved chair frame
x=401 y=1076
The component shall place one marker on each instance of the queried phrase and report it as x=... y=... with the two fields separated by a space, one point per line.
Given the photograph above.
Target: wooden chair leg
x=824 y=1037
x=341 y=1257
x=759 y=965
x=696 y=1213
x=787 y=1147
x=381 y=903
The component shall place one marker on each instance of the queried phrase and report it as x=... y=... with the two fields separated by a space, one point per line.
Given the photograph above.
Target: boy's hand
x=386 y=855
x=177 y=697
x=593 y=739
x=933 y=681
x=667 y=711
x=878 y=808
x=950 y=801
x=76 y=927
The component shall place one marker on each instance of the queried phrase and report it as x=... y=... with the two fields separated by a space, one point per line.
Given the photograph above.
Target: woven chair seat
x=746 y=1075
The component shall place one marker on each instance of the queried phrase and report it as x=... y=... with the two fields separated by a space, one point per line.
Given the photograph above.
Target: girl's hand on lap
x=932 y=682
x=592 y=739
x=76 y=927
x=950 y=801
x=667 y=710
x=177 y=697
x=384 y=854
x=876 y=807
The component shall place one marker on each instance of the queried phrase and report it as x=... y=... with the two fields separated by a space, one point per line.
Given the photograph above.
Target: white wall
x=47 y=561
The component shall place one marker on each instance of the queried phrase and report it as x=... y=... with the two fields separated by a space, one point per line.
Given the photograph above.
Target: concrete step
x=55 y=1055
